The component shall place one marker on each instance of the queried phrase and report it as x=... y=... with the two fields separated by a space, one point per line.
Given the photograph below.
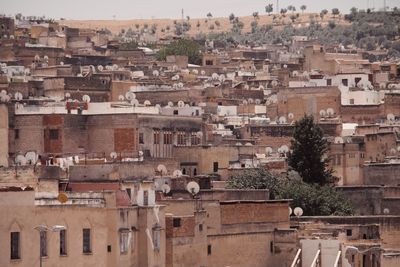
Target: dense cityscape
x=271 y=139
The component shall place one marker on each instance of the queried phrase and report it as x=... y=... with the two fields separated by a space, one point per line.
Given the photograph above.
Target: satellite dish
x=386 y=211
x=203 y=72
x=141 y=153
x=130 y=95
x=295 y=73
x=245 y=102
x=113 y=155
x=250 y=101
x=248 y=144
x=238 y=144
x=135 y=102
x=284 y=149
x=31 y=157
x=193 y=188
x=162 y=169
x=121 y=98
x=181 y=104
x=282 y=120
x=199 y=134
x=390 y=117
x=291 y=116
x=274 y=83
x=86 y=98
x=100 y=67
x=62 y=197
x=338 y=140
x=165 y=188
x=290 y=211
x=269 y=150
x=180 y=85
x=67 y=95
x=298 y=211
x=156 y=73
x=322 y=113
x=177 y=173
x=18 y=96
x=170 y=104
x=258 y=101
x=330 y=112
x=147 y=103
x=20 y=160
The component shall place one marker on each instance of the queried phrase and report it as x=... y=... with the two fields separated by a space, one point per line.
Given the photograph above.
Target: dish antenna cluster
x=4 y=97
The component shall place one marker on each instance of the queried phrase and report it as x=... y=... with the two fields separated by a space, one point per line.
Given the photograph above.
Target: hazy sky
x=129 y=9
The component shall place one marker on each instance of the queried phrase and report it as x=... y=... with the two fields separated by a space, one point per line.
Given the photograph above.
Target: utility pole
x=182 y=14
x=277 y=6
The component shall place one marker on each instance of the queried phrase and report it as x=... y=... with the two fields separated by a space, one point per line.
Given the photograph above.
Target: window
x=53 y=134
x=349 y=232
x=181 y=139
x=108 y=248
x=201 y=227
x=156 y=138
x=352 y=101
x=362 y=155
x=271 y=246
x=345 y=82
x=43 y=243
x=329 y=82
x=176 y=112
x=63 y=242
x=141 y=138
x=87 y=248
x=208 y=249
x=123 y=242
x=129 y=192
x=194 y=172
x=145 y=198
x=352 y=156
x=177 y=222
x=156 y=238
x=14 y=244
x=184 y=171
x=215 y=167
x=195 y=140
x=167 y=138
x=357 y=80
x=209 y=62
x=16 y=134
x=337 y=160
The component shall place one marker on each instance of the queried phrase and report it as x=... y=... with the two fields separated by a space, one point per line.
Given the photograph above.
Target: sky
x=147 y=9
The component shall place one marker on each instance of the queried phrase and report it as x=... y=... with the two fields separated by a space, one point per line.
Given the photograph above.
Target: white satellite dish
x=193 y=188
x=20 y=160
x=214 y=76
x=199 y=134
x=113 y=155
x=248 y=144
x=269 y=150
x=147 y=103
x=330 y=112
x=295 y=73
x=245 y=102
x=162 y=169
x=18 y=96
x=258 y=101
x=194 y=71
x=67 y=95
x=390 y=117
x=386 y=211
x=135 y=102
x=203 y=72
x=282 y=120
x=100 y=67
x=291 y=116
x=290 y=211
x=31 y=157
x=180 y=85
x=130 y=95
x=181 y=104
x=238 y=144
x=338 y=140
x=121 y=98
x=86 y=98
x=322 y=113
x=165 y=188
x=298 y=211
x=156 y=73
x=250 y=101
x=284 y=149
x=170 y=104
x=177 y=173
x=141 y=153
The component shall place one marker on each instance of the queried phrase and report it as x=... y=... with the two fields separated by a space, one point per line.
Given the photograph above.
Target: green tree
x=183 y=47
x=308 y=152
x=335 y=12
x=269 y=8
x=303 y=7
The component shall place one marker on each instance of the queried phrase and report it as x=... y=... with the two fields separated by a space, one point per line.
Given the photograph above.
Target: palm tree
x=255 y=15
x=303 y=7
x=335 y=11
x=231 y=17
x=323 y=13
x=268 y=9
x=209 y=15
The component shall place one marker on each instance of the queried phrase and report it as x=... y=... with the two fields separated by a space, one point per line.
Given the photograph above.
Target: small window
x=352 y=156
x=16 y=134
x=109 y=248
x=141 y=138
x=15 y=245
x=357 y=80
x=177 y=222
x=349 y=232
x=156 y=138
x=329 y=82
x=209 y=250
x=87 y=248
x=175 y=112
x=201 y=227
x=156 y=239
x=123 y=242
x=63 y=242
x=345 y=82
x=53 y=134
x=43 y=243
x=271 y=246
x=352 y=101
x=215 y=166
x=129 y=192
x=194 y=172
x=145 y=198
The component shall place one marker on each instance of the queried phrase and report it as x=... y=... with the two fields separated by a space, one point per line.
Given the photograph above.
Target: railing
x=337 y=261
x=297 y=259
x=316 y=260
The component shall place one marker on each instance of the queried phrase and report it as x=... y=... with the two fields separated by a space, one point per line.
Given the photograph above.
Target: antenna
x=31 y=157
x=177 y=173
x=86 y=98
x=113 y=155
x=20 y=160
x=193 y=188
x=162 y=169
x=165 y=188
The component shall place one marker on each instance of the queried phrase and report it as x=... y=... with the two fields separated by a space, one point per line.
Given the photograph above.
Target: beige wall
x=3 y=135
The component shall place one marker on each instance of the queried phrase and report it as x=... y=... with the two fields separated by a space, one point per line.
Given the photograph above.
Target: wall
x=4 y=149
